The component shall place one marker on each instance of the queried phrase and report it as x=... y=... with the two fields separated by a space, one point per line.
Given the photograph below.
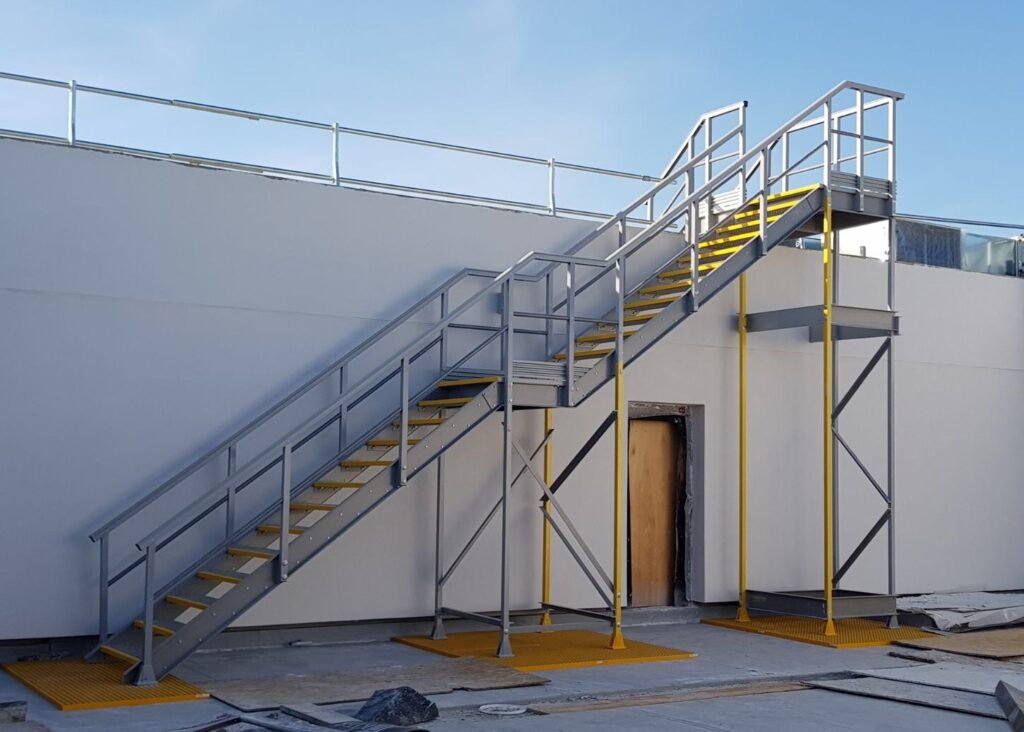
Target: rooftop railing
x=333 y=171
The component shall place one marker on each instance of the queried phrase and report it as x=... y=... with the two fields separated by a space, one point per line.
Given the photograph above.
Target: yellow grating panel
x=74 y=684
x=547 y=651
x=850 y=633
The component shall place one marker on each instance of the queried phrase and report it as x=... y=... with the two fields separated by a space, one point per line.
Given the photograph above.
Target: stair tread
x=586 y=354
x=257 y=552
x=334 y=485
x=469 y=381
x=420 y=421
x=220 y=575
x=365 y=463
x=162 y=628
x=311 y=506
x=186 y=599
x=389 y=442
x=603 y=337
x=444 y=402
x=276 y=529
x=655 y=302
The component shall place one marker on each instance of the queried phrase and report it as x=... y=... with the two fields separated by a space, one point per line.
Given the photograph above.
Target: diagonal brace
x=855 y=555
x=582 y=453
x=579 y=560
x=563 y=515
x=861 y=378
x=862 y=466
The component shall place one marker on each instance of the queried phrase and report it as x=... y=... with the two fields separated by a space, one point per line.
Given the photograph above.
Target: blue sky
x=606 y=83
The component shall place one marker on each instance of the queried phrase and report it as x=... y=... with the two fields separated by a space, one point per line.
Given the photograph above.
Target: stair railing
x=757 y=160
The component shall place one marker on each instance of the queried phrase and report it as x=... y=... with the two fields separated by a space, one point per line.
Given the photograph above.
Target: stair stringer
x=226 y=609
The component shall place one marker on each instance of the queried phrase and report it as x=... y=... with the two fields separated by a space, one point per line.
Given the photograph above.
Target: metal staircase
x=565 y=324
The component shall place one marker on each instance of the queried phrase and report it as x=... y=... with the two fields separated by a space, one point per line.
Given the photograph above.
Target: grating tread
x=74 y=685
x=850 y=632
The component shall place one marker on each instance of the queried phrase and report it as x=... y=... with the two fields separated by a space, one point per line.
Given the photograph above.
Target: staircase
x=727 y=207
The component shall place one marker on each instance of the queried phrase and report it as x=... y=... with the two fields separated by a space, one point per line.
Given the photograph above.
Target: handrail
x=288 y=400
x=335 y=130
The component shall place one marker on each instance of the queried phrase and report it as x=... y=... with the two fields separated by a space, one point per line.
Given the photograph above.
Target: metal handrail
x=336 y=131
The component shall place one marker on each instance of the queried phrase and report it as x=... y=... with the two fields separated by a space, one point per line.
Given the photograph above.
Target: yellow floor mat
x=73 y=684
x=547 y=651
x=850 y=633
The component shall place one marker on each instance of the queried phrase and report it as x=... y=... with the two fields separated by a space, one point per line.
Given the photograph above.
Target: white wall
x=147 y=309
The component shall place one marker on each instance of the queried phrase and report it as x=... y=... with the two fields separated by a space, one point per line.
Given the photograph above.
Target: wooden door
x=653 y=495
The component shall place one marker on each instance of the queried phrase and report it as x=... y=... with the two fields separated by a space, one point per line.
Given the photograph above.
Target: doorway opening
x=658 y=505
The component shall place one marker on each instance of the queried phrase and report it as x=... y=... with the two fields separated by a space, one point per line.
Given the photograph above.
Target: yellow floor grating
x=850 y=633
x=547 y=651
x=74 y=684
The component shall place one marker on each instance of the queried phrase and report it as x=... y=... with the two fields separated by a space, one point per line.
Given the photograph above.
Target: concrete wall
x=148 y=309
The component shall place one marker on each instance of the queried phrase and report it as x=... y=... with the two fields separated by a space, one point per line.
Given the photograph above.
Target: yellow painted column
x=742 y=614
x=826 y=342
x=618 y=642
x=545 y=591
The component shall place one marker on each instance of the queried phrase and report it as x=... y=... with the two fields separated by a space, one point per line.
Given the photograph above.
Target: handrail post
x=342 y=385
x=72 y=110
x=144 y=675
x=785 y=160
x=694 y=226
x=570 y=334
x=229 y=523
x=286 y=511
x=860 y=148
x=762 y=216
x=742 y=147
x=104 y=619
x=826 y=121
x=551 y=187
x=444 y=332
x=335 y=153
x=403 y=426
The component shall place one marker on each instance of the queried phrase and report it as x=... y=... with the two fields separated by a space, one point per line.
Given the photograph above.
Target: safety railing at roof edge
x=336 y=134
x=339 y=370
x=758 y=160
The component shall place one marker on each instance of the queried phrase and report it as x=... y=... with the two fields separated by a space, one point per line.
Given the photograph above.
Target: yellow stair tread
x=469 y=381
x=673 y=273
x=727 y=251
x=655 y=302
x=446 y=402
x=420 y=421
x=385 y=442
x=157 y=629
x=312 y=507
x=275 y=529
x=118 y=654
x=602 y=337
x=639 y=318
x=589 y=353
x=188 y=601
x=365 y=463
x=214 y=576
x=245 y=551
x=333 y=485
x=668 y=287
x=756 y=222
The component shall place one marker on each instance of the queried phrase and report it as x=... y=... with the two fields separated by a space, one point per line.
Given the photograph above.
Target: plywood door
x=653 y=489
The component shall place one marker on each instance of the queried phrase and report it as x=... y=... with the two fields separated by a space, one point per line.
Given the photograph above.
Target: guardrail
x=335 y=133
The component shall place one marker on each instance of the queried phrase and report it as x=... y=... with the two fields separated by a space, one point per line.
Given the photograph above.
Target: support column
x=742 y=614
x=438 y=631
x=826 y=352
x=617 y=640
x=890 y=431
x=545 y=590
x=504 y=644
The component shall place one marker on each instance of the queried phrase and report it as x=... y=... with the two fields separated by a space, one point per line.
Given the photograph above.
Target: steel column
x=72 y=110
x=545 y=589
x=827 y=376
x=143 y=674
x=617 y=641
x=438 y=631
x=104 y=629
x=504 y=649
x=742 y=613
